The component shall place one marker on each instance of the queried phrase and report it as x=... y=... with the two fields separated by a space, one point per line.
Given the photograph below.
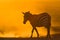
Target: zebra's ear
x=29 y=11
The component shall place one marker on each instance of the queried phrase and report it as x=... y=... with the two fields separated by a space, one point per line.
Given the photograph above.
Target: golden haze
x=11 y=17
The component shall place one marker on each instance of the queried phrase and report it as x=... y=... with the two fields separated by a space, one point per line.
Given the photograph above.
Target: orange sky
x=11 y=15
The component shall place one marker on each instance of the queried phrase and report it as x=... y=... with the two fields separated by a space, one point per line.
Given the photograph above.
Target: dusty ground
x=53 y=37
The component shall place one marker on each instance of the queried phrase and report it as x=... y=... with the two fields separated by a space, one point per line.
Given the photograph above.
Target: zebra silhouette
x=41 y=20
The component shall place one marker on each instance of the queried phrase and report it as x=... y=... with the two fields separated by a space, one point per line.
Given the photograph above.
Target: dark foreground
x=53 y=37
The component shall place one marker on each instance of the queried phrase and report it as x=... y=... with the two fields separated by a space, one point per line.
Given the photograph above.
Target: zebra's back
x=44 y=20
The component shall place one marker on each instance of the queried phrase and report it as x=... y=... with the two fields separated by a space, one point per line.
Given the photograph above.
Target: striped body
x=40 y=20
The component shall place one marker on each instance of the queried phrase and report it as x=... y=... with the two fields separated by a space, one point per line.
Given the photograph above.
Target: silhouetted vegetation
x=56 y=28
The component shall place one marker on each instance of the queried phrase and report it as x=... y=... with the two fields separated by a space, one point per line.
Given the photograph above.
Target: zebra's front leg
x=32 y=32
x=37 y=32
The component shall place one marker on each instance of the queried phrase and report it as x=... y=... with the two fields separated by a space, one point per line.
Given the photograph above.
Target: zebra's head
x=26 y=16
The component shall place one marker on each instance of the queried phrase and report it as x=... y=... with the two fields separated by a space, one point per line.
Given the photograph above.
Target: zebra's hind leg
x=48 y=33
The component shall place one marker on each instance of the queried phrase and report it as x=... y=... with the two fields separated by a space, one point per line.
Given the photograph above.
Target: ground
x=53 y=37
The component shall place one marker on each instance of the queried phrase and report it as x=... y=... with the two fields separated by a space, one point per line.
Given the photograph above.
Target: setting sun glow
x=11 y=17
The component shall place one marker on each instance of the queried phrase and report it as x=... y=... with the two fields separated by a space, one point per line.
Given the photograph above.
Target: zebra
x=40 y=20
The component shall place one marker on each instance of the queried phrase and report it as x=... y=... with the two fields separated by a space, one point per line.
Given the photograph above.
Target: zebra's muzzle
x=24 y=22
